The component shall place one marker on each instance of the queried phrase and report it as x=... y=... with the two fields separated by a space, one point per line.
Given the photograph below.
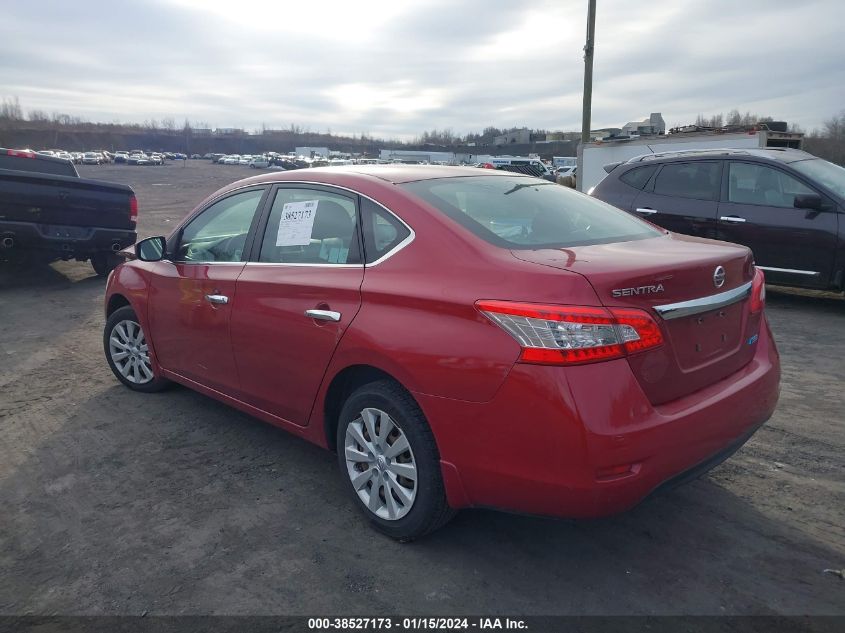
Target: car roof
x=395 y=174
x=354 y=176
x=781 y=154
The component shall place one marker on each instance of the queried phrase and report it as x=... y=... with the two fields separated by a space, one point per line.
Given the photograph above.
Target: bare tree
x=734 y=118
x=10 y=109
x=715 y=121
x=834 y=127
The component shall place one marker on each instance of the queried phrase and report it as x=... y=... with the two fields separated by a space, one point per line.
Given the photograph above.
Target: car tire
x=104 y=263
x=401 y=493
x=123 y=334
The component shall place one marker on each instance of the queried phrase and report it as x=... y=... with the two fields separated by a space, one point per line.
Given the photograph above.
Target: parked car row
x=277 y=162
x=284 y=162
x=77 y=158
x=139 y=158
x=100 y=157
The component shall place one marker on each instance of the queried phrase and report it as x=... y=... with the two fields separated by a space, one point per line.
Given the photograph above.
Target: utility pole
x=588 y=72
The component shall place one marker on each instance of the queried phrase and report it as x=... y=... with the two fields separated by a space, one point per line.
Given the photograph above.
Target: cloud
x=397 y=68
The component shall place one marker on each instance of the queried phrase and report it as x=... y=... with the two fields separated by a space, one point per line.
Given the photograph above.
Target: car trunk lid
x=708 y=330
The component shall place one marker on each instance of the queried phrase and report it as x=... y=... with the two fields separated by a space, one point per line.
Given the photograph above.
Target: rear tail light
x=570 y=335
x=133 y=210
x=758 y=292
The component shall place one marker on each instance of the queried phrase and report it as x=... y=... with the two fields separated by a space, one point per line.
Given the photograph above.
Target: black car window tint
x=42 y=166
x=382 y=231
x=219 y=233
x=750 y=183
x=637 y=178
x=309 y=226
x=698 y=180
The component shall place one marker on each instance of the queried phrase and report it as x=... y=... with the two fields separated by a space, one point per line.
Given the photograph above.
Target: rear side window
x=39 y=165
x=528 y=213
x=382 y=231
x=311 y=226
x=699 y=180
x=637 y=178
x=760 y=184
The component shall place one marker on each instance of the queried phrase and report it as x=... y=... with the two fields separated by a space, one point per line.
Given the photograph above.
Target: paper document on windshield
x=297 y=223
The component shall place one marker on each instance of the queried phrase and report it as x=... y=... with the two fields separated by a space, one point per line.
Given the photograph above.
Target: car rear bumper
x=554 y=440
x=69 y=240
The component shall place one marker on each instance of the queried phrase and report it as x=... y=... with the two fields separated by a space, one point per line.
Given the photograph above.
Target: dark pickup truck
x=46 y=208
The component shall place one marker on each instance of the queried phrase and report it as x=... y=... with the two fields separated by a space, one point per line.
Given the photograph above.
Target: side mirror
x=151 y=249
x=808 y=201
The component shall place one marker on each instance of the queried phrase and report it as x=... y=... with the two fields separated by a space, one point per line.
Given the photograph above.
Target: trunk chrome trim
x=704 y=304
x=791 y=271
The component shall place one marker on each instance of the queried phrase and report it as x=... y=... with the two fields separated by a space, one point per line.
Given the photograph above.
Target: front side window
x=219 y=233
x=760 y=184
x=821 y=171
x=310 y=226
x=699 y=180
x=528 y=213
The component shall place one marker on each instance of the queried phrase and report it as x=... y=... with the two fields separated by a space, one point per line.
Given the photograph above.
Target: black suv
x=785 y=204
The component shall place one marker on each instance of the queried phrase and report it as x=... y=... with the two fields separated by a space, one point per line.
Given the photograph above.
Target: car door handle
x=646 y=210
x=734 y=219
x=218 y=299
x=323 y=315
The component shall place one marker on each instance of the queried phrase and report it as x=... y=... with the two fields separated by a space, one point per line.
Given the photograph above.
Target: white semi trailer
x=592 y=157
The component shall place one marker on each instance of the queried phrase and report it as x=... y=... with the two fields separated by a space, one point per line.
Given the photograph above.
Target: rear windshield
x=21 y=163
x=528 y=213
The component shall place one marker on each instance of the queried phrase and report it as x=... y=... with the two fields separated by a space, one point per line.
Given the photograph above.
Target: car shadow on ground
x=34 y=272
x=174 y=503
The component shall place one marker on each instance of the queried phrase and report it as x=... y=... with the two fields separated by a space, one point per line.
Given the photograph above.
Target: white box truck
x=592 y=157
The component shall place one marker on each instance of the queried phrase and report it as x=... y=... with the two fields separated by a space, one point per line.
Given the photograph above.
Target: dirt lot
x=119 y=503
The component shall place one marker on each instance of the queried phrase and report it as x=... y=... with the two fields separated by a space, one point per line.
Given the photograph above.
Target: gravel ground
x=115 y=502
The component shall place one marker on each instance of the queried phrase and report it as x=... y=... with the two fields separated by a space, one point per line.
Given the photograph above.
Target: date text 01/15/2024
x=416 y=624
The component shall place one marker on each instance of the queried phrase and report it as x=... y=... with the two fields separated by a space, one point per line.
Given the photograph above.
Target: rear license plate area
x=702 y=338
x=57 y=231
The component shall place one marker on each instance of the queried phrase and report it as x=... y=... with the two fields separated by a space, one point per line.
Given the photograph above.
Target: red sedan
x=461 y=337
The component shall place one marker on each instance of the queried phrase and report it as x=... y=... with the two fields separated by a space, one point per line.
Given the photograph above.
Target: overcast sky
x=395 y=68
